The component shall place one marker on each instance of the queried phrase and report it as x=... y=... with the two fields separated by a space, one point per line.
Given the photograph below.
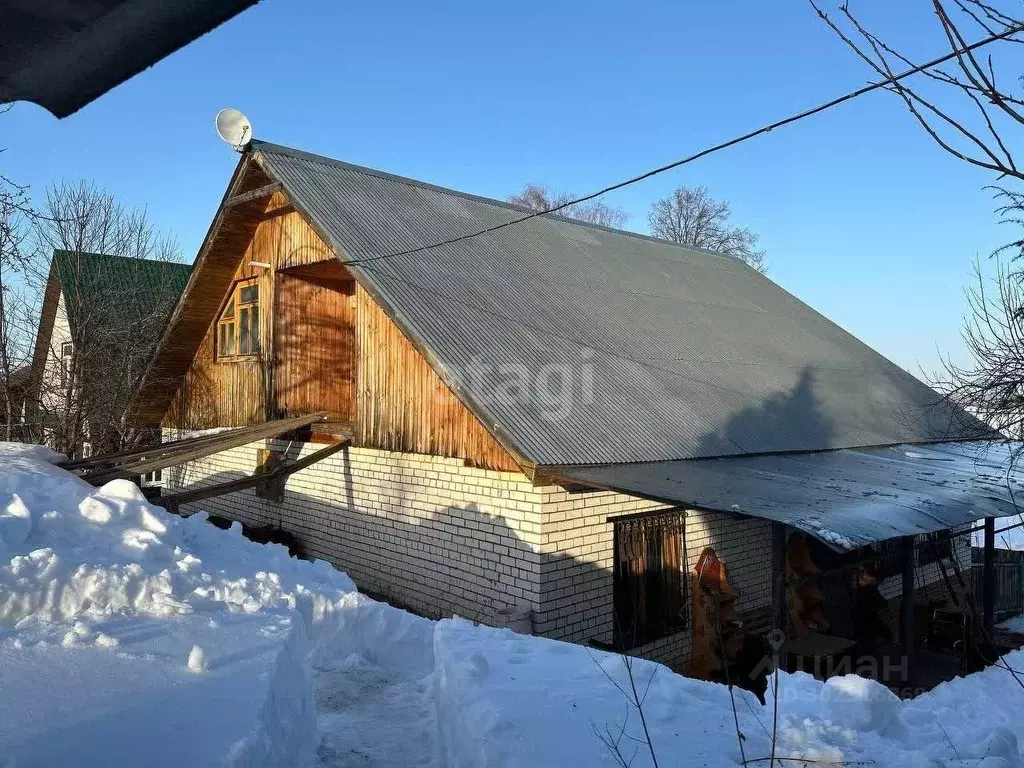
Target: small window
x=66 y=350
x=249 y=294
x=651 y=593
x=238 y=329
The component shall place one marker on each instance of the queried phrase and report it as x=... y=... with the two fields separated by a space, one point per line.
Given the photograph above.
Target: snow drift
x=129 y=636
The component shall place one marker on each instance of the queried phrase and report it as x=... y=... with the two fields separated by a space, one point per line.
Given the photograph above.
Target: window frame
x=628 y=633
x=234 y=300
x=67 y=351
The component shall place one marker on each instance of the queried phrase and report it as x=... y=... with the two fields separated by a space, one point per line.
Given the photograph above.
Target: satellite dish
x=234 y=128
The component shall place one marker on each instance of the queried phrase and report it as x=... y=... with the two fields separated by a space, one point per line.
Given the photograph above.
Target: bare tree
x=991 y=384
x=592 y=212
x=16 y=218
x=83 y=218
x=116 y=303
x=690 y=216
x=972 y=109
x=965 y=107
x=15 y=344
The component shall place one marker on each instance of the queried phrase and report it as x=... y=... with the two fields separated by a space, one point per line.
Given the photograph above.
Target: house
x=101 y=318
x=548 y=414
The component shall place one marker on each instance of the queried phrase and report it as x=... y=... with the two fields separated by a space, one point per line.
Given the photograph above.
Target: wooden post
x=781 y=616
x=907 y=606
x=988 y=598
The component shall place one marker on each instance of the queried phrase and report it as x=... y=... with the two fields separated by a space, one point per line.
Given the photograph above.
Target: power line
x=710 y=150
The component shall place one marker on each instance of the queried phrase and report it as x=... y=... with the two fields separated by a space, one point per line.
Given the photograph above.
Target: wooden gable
x=325 y=344
x=44 y=333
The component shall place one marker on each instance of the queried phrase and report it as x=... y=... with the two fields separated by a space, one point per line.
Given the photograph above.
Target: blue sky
x=861 y=216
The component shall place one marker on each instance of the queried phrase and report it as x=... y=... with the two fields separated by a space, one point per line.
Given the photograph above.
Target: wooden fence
x=1009 y=565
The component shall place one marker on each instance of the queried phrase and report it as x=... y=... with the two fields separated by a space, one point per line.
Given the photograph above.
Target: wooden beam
x=988 y=595
x=254 y=194
x=173 y=501
x=781 y=616
x=202 y=449
x=907 y=607
x=160 y=449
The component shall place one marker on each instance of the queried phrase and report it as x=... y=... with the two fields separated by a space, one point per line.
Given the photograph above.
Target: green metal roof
x=105 y=288
x=579 y=344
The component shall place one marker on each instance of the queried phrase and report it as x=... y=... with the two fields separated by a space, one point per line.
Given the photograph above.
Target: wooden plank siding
x=314 y=328
x=403 y=405
x=326 y=346
x=240 y=392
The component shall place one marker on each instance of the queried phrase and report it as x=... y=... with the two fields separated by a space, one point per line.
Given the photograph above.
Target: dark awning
x=62 y=54
x=847 y=498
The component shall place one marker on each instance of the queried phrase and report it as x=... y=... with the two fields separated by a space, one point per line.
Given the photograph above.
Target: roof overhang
x=62 y=54
x=846 y=498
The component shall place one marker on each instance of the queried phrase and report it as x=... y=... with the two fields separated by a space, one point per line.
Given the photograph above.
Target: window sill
x=236 y=358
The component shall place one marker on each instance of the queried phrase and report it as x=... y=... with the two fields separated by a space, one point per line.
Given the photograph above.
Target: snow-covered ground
x=1015 y=624
x=132 y=637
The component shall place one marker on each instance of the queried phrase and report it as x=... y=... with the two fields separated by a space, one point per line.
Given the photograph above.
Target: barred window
x=651 y=593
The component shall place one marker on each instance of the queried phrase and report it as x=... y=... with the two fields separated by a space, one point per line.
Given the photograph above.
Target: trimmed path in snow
x=371 y=716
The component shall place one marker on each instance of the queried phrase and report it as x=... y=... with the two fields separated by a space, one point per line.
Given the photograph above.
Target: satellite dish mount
x=234 y=128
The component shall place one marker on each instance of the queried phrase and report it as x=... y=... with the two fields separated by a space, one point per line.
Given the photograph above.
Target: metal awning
x=847 y=498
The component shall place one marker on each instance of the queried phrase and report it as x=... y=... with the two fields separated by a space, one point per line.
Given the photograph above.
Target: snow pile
x=968 y=721
x=1014 y=624
x=131 y=636
x=514 y=700
x=505 y=699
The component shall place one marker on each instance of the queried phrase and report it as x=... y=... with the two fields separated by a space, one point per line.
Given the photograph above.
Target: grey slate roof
x=669 y=353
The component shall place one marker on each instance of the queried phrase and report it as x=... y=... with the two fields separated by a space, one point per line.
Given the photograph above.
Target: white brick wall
x=441 y=538
x=425 y=532
x=577 y=569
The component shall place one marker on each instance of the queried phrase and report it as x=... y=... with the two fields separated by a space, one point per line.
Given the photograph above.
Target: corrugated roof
x=117 y=289
x=631 y=349
x=846 y=498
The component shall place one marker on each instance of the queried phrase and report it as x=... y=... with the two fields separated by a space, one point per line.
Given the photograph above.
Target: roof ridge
x=259 y=145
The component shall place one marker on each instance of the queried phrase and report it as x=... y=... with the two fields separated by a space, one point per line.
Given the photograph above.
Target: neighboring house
x=101 y=318
x=551 y=414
